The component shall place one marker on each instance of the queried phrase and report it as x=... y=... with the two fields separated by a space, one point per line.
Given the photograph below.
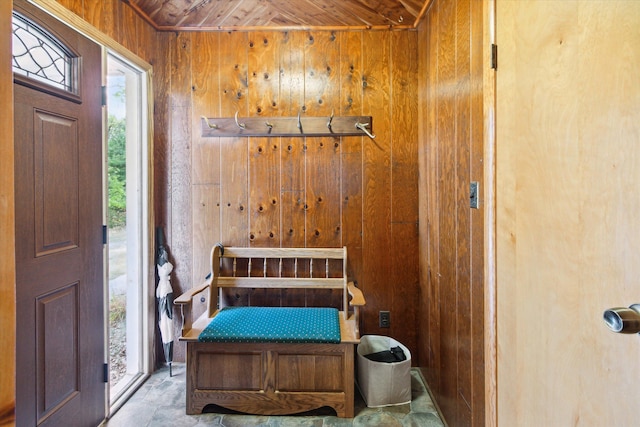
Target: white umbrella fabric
x=164 y=295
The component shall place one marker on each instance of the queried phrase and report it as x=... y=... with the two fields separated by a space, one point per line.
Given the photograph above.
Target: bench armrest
x=357 y=301
x=186 y=297
x=185 y=301
x=357 y=298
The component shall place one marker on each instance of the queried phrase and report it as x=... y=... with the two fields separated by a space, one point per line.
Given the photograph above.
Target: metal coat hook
x=209 y=124
x=330 y=120
x=363 y=128
x=240 y=125
x=299 y=122
x=269 y=125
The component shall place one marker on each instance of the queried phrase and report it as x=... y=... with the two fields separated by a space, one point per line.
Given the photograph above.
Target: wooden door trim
x=490 y=259
x=7 y=225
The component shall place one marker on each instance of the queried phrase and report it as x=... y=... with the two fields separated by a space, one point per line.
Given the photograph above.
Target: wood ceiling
x=229 y=15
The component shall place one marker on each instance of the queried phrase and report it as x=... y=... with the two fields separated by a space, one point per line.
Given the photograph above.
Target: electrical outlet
x=385 y=319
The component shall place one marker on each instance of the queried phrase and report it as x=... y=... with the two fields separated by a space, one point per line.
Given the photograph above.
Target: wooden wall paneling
x=264 y=73
x=447 y=269
x=7 y=226
x=263 y=97
x=463 y=212
x=93 y=13
x=129 y=20
x=161 y=129
x=205 y=160
x=433 y=205
x=179 y=233
x=323 y=198
x=404 y=186
x=321 y=55
x=205 y=88
x=293 y=167
x=264 y=208
x=111 y=22
x=477 y=226
x=351 y=148
x=234 y=161
x=234 y=174
x=75 y=6
x=147 y=43
x=422 y=322
x=376 y=190
x=451 y=150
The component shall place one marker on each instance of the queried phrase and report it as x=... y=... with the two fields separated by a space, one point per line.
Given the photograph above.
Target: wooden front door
x=59 y=251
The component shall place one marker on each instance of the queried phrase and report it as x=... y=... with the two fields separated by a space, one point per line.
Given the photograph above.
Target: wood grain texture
x=314 y=191
x=280 y=14
x=129 y=20
x=463 y=212
x=404 y=181
x=490 y=326
x=7 y=226
x=270 y=378
x=479 y=252
x=451 y=150
x=161 y=131
x=376 y=191
x=74 y=6
x=205 y=159
x=351 y=53
x=567 y=265
x=179 y=233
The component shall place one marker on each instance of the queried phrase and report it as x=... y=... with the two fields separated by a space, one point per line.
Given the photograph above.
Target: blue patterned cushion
x=274 y=324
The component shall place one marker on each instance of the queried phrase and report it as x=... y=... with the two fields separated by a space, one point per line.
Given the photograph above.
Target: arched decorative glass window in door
x=38 y=55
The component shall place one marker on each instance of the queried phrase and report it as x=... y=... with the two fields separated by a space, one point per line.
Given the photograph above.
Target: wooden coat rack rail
x=287 y=126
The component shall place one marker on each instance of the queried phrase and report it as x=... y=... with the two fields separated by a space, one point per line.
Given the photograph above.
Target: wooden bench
x=264 y=377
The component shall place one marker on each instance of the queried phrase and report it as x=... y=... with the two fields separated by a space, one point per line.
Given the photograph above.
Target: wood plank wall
x=349 y=191
x=451 y=234
x=7 y=226
x=286 y=192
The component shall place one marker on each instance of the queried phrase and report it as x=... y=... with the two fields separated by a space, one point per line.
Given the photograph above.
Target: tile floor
x=159 y=402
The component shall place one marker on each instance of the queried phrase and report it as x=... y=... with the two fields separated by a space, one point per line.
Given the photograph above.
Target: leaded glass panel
x=38 y=55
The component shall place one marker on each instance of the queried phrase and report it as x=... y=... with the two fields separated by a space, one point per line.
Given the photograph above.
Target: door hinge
x=104 y=234
x=494 y=56
x=105 y=373
x=104 y=96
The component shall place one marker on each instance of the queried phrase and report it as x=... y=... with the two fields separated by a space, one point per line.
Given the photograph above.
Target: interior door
x=59 y=263
x=568 y=211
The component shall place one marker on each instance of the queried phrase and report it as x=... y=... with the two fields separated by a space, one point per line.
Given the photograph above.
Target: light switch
x=474 y=202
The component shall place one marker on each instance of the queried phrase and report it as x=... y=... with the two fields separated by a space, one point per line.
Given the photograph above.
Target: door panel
x=56 y=178
x=59 y=264
x=568 y=165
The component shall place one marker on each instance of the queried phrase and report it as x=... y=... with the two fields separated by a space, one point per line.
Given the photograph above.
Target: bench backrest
x=277 y=268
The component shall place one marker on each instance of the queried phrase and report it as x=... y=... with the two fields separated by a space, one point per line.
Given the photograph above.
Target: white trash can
x=382 y=383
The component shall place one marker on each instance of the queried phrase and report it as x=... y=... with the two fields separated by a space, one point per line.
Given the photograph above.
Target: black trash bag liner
x=395 y=354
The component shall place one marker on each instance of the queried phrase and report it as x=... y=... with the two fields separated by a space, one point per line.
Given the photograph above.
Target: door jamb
x=490 y=260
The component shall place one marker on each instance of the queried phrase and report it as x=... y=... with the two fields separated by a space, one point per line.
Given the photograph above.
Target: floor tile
x=160 y=402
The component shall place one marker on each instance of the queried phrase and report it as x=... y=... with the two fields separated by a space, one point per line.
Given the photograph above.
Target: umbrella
x=164 y=295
